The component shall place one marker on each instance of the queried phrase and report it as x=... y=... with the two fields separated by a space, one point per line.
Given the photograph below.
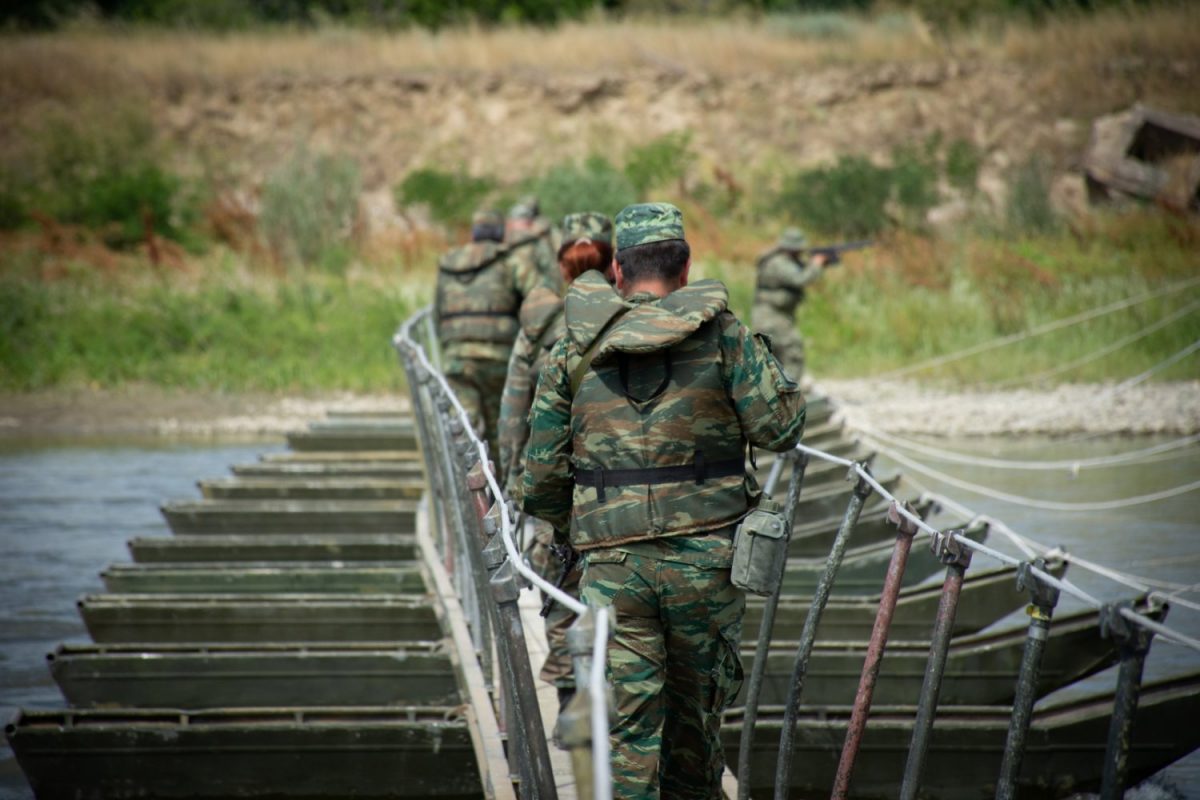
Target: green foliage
x=1029 y=210
x=312 y=333
x=659 y=162
x=847 y=198
x=963 y=160
x=914 y=181
x=309 y=206
x=105 y=175
x=816 y=26
x=594 y=185
x=451 y=196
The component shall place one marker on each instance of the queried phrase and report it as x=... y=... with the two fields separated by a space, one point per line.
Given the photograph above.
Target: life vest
x=657 y=448
x=477 y=300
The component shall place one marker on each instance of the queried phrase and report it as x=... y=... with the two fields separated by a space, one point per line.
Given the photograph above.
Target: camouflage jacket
x=780 y=281
x=541 y=320
x=675 y=383
x=480 y=287
x=536 y=248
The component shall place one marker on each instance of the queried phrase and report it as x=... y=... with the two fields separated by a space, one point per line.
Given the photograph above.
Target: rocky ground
x=891 y=406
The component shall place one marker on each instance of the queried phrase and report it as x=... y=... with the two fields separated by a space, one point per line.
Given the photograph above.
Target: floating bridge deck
x=305 y=632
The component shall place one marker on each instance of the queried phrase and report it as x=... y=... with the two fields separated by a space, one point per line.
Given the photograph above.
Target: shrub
x=1029 y=209
x=594 y=185
x=659 y=162
x=962 y=165
x=914 y=180
x=309 y=206
x=450 y=196
x=847 y=198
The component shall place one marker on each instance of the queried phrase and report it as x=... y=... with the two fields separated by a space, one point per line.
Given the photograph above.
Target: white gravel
x=902 y=407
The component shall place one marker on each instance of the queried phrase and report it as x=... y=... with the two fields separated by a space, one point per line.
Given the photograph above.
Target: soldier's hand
x=819 y=260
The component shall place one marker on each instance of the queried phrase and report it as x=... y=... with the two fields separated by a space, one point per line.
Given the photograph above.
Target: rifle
x=567 y=556
x=833 y=252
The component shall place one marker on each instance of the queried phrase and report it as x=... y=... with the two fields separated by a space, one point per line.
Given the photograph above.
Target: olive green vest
x=541 y=319
x=477 y=300
x=657 y=448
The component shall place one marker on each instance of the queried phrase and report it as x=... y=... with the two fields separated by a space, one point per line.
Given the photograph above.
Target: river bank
x=893 y=406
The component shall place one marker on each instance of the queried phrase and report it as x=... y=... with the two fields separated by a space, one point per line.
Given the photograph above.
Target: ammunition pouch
x=760 y=549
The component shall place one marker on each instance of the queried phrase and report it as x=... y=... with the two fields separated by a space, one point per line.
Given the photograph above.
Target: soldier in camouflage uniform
x=637 y=443
x=532 y=238
x=587 y=244
x=480 y=287
x=782 y=276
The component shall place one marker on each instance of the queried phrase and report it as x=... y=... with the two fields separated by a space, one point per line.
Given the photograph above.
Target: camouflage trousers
x=786 y=342
x=674 y=667
x=557 y=668
x=479 y=383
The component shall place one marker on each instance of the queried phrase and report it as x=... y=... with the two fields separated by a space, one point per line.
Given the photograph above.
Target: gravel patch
x=903 y=407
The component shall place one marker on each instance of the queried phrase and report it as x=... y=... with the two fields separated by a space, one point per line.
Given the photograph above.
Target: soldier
x=782 y=277
x=532 y=237
x=480 y=288
x=637 y=444
x=587 y=245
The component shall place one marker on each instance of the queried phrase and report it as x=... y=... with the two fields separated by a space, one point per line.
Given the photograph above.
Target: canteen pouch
x=759 y=549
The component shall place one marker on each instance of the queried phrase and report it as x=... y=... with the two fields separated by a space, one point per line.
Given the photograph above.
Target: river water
x=67 y=510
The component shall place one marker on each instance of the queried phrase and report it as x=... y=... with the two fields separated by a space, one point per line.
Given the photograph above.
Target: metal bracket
x=949 y=548
x=1125 y=633
x=1041 y=594
x=904 y=525
x=861 y=488
x=503 y=584
x=494 y=554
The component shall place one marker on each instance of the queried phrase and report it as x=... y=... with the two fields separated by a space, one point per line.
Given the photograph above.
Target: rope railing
x=1043 y=576
x=423 y=373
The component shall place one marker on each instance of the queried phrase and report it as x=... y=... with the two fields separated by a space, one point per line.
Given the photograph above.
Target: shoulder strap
x=585 y=360
x=539 y=342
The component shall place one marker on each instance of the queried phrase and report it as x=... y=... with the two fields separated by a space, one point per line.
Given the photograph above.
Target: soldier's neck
x=656 y=288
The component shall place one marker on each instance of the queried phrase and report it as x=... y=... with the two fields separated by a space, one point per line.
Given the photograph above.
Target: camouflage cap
x=526 y=207
x=644 y=223
x=792 y=239
x=587 y=225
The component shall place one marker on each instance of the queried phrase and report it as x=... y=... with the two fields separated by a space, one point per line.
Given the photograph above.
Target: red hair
x=583 y=254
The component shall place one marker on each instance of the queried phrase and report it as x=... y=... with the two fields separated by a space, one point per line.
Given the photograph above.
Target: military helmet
x=587 y=225
x=792 y=239
x=487 y=224
x=526 y=207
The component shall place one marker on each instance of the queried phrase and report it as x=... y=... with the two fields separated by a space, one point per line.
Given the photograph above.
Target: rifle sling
x=585 y=358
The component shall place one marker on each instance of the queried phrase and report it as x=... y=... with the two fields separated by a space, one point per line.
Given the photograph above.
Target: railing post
x=1042 y=600
x=765 y=628
x=783 y=767
x=574 y=728
x=906 y=530
x=1134 y=643
x=957 y=557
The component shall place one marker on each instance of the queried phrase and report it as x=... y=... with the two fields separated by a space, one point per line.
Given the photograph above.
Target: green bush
x=309 y=206
x=1029 y=210
x=847 y=198
x=963 y=160
x=594 y=185
x=914 y=177
x=659 y=162
x=106 y=176
x=450 y=196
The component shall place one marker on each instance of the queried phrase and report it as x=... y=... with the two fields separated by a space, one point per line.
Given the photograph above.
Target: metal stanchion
x=957 y=557
x=575 y=721
x=879 y=635
x=1043 y=598
x=766 y=626
x=808 y=635
x=1134 y=643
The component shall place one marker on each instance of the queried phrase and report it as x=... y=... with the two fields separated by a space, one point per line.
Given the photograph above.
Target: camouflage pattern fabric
x=779 y=290
x=724 y=389
x=674 y=667
x=660 y=554
x=533 y=243
x=541 y=327
x=479 y=292
x=644 y=223
x=557 y=669
x=587 y=224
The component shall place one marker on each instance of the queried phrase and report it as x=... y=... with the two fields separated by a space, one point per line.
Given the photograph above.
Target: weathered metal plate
x=981 y=668
x=302 y=547
x=987 y=595
x=311 y=488
x=310 y=753
x=863 y=568
x=1064 y=752
x=395 y=470
x=229 y=676
x=301 y=577
x=290 y=516
x=258 y=618
x=405 y=456
x=351 y=437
